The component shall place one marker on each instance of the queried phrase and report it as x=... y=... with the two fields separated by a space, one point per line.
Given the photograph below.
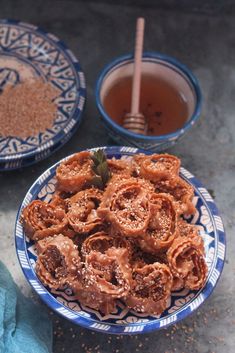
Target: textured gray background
x=201 y=34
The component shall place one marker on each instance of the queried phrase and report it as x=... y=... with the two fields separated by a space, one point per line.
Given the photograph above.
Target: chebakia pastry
x=157 y=167
x=162 y=226
x=93 y=299
x=102 y=241
x=190 y=231
x=76 y=172
x=181 y=191
x=106 y=277
x=125 y=206
x=59 y=199
x=140 y=258
x=108 y=273
x=41 y=220
x=58 y=262
x=151 y=288
x=82 y=210
x=114 y=230
x=186 y=261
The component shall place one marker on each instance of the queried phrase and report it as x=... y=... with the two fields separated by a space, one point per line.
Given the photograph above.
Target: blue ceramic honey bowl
x=164 y=68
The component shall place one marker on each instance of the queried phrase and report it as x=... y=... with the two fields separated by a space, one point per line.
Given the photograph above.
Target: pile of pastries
x=126 y=240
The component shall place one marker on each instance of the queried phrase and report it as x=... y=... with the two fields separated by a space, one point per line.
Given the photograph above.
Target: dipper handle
x=135 y=98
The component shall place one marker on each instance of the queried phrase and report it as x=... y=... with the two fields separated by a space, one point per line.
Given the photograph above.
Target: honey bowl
x=170 y=100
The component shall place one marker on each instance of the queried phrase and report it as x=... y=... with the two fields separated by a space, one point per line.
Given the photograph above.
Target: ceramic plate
x=125 y=321
x=26 y=51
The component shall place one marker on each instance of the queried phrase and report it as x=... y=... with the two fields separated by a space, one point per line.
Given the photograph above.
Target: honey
x=164 y=107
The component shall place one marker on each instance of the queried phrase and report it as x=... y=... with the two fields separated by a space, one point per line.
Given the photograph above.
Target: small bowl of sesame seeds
x=42 y=94
x=123 y=320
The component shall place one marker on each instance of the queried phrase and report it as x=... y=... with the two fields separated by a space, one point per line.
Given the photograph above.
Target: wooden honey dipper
x=135 y=121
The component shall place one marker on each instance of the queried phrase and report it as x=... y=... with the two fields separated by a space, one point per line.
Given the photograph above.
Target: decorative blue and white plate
x=26 y=51
x=124 y=321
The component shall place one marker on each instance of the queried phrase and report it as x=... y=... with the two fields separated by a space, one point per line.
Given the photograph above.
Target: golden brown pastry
x=181 y=191
x=151 y=288
x=140 y=258
x=82 y=210
x=58 y=262
x=125 y=205
x=186 y=261
x=101 y=242
x=41 y=220
x=73 y=174
x=95 y=300
x=59 y=200
x=159 y=166
x=191 y=231
x=108 y=273
x=162 y=226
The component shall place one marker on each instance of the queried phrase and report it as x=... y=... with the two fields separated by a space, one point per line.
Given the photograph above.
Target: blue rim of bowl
x=168 y=59
x=26 y=162
x=130 y=328
x=61 y=136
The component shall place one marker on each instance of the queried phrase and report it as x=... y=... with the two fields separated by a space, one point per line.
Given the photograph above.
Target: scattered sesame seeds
x=27 y=108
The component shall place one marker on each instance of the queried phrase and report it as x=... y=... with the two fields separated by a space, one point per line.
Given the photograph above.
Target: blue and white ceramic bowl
x=26 y=51
x=124 y=321
x=160 y=66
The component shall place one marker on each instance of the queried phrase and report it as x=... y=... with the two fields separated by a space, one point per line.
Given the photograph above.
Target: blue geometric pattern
x=28 y=52
x=125 y=321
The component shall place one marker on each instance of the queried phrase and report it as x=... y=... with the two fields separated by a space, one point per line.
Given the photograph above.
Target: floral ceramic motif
x=27 y=52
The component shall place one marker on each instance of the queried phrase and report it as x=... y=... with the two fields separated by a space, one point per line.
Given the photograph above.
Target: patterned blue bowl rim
x=162 y=57
x=82 y=90
x=130 y=328
x=10 y=165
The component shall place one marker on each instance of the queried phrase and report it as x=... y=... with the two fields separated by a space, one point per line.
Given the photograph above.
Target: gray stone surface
x=97 y=32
